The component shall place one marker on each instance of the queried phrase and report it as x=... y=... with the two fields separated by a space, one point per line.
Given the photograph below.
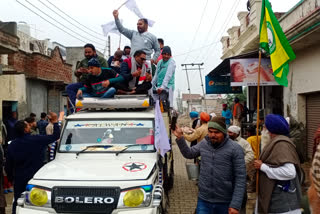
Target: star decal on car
x=134 y=166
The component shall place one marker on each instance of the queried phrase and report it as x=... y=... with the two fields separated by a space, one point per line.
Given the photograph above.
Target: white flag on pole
x=132 y=5
x=110 y=27
x=161 y=137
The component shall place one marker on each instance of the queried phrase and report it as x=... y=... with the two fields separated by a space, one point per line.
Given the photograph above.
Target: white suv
x=106 y=162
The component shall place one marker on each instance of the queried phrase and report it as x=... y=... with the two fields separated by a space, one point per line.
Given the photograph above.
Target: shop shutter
x=313 y=119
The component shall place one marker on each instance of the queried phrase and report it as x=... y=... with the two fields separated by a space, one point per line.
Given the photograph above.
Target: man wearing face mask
x=279 y=170
x=141 y=39
x=222 y=179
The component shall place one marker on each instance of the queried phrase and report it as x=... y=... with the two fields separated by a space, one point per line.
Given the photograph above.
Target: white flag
x=110 y=27
x=132 y=5
x=161 y=137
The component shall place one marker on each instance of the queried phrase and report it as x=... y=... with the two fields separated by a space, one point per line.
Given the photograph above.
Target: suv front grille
x=85 y=199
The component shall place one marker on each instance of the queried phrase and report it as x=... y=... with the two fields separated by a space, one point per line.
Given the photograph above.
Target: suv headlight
x=135 y=197
x=38 y=196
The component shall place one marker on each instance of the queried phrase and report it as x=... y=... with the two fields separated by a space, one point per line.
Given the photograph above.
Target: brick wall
x=42 y=67
x=10 y=40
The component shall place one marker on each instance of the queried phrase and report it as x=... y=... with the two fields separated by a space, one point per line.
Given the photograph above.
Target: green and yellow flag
x=274 y=43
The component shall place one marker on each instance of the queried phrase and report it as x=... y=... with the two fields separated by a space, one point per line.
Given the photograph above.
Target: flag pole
x=123 y=4
x=258 y=122
x=120 y=41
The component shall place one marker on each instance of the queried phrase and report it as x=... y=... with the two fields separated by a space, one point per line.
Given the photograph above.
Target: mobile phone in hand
x=174 y=120
x=80 y=97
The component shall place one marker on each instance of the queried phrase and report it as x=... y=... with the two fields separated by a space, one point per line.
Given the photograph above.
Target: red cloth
x=316 y=140
x=204 y=116
x=145 y=140
x=235 y=109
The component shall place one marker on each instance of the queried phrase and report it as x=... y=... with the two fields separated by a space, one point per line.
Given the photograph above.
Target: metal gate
x=313 y=119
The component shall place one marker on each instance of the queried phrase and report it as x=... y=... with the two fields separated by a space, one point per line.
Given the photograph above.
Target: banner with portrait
x=244 y=72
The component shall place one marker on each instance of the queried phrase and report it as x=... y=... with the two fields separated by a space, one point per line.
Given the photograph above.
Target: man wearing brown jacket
x=202 y=131
x=279 y=170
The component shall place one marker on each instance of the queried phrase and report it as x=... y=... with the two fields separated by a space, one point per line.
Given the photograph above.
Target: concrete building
x=73 y=56
x=31 y=80
x=195 y=102
x=301 y=99
x=9 y=43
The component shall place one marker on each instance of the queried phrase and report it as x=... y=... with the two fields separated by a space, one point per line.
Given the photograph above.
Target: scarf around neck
x=278 y=152
x=134 y=67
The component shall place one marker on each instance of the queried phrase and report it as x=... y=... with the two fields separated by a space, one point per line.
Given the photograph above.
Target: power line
x=62 y=24
x=214 y=20
x=224 y=24
x=53 y=23
x=194 y=37
x=196 y=49
x=86 y=29
x=72 y=18
x=205 y=57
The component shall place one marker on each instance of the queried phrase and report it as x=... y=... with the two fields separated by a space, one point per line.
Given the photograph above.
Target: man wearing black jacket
x=136 y=73
x=25 y=155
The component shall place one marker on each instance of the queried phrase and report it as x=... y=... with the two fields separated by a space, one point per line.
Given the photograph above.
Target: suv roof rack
x=118 y=102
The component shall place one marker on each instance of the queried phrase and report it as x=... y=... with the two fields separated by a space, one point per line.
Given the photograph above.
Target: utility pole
x=107 y=48
x=199 y=69
x=109 y=45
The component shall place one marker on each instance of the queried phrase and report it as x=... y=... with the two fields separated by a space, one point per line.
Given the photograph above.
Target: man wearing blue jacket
x=25 y=155
x=222 y=180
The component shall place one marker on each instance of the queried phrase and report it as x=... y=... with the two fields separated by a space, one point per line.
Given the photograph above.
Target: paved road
x=9 y=198
x=183 y=196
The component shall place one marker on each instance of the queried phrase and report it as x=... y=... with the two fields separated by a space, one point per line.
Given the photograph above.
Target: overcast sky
x=177 y=22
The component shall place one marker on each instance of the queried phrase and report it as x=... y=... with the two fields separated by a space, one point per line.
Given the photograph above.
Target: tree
x=242 y=97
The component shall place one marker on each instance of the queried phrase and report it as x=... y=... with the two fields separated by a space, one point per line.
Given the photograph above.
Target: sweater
x=222 y=173
x=94 y=86
x=165 y=74
x=84 y=64
x=145 y=41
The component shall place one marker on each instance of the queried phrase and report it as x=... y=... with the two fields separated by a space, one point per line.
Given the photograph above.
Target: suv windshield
x=114 y=134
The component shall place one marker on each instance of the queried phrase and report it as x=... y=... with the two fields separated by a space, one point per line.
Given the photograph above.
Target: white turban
x=234 y=129
x=213 y=114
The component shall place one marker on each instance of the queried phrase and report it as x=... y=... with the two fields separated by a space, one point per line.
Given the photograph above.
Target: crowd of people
x=147 y=67
x=25 y=149
x=227 y=182
x=229 y=164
